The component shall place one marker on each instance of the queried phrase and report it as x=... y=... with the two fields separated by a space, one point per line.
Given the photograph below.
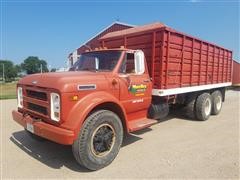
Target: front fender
x=84 y=106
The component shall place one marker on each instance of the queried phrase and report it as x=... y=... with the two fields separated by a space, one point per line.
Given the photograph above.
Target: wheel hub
x=208 y=107
x=218 y=102
x=103 y=139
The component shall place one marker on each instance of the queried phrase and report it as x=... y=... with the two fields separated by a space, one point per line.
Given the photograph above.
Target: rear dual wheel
x=189 y=107
x=207 y=104
x=203 y=106
x=217 y=102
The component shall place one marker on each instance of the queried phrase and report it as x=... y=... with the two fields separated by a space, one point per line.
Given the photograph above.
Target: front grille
x=37 y=108
x=37 y=95
x=36 y=101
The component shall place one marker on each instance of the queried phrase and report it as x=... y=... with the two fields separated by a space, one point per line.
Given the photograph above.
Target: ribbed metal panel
x=236 y=73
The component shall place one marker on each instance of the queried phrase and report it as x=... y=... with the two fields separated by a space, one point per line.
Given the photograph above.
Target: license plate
x=30 y=127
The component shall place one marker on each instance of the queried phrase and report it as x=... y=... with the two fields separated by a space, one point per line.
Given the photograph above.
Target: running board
x=140 y=124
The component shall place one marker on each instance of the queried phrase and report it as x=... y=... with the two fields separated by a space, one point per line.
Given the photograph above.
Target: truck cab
x=112 y=85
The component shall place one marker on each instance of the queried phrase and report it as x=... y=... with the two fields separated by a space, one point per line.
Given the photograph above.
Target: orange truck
x=125 y=85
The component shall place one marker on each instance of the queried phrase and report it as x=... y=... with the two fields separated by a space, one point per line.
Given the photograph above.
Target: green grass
x=8 y=90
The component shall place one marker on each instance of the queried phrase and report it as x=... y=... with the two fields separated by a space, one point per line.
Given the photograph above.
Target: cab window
x=97 y=61
x=128 y=65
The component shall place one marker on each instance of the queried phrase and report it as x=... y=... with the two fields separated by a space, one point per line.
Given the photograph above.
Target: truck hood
x=64 y=81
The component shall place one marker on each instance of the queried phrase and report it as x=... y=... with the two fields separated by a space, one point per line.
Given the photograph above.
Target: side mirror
x=96 y=63
x=139 y=62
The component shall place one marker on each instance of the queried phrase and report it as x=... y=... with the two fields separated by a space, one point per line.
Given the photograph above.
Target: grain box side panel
x=176 y=60
x=236 y=73
x=190 y=62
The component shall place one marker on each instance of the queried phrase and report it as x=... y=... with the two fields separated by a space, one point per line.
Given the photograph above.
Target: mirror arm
x=129 y=84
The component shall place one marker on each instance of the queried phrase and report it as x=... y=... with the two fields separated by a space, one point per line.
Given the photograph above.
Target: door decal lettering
x=138 y=89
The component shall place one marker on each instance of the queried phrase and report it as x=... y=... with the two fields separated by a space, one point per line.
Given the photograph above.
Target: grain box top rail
x=150 y=28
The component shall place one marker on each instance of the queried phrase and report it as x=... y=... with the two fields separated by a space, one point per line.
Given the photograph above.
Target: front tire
x=203 y=106
x=99 y=140
x=217 y=102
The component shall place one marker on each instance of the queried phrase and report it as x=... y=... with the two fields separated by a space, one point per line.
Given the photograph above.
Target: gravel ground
x=174 y=148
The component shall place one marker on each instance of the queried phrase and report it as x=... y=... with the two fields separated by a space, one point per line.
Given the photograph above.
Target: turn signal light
x=74 y=98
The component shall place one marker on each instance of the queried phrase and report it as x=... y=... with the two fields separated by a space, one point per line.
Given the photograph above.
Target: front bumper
x=45 y=130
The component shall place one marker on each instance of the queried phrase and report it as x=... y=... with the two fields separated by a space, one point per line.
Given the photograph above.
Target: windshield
x=97 y=61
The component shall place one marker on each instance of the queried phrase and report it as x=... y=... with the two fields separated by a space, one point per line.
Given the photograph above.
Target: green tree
x=53 y=70
x=18 y=68
x=33 y=65
x=10 y=71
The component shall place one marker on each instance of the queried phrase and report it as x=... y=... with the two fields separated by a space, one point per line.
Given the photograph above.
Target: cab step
x=140 y=124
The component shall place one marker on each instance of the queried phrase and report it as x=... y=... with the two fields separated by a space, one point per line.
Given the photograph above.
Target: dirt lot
x=175 y=148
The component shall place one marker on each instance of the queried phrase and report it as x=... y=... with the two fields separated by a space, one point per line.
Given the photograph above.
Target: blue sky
x=52 y=29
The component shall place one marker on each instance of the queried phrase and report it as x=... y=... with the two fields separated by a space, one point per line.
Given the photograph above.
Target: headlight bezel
x=55 y=106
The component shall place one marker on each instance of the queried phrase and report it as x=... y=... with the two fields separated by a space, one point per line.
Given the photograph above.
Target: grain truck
x=125 y=85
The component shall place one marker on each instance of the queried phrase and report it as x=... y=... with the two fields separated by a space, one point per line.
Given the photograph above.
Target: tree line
x=31 y=65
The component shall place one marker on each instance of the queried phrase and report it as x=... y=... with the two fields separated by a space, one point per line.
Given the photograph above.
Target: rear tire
x=99 y=140
x=189 y=109
x=216 y=102
x=203 y=106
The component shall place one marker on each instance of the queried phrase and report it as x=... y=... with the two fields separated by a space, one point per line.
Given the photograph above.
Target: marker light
x=74 y=98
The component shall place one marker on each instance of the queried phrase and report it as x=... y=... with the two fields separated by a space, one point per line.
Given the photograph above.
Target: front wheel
x=99 y=140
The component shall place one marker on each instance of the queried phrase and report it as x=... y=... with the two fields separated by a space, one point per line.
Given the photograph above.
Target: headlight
x=55 y=107
x=20 y=97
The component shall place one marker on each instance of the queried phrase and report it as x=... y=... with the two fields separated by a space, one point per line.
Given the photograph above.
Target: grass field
x=8 y=90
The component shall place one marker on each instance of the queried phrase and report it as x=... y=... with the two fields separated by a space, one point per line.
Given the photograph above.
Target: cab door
x=135 y=83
